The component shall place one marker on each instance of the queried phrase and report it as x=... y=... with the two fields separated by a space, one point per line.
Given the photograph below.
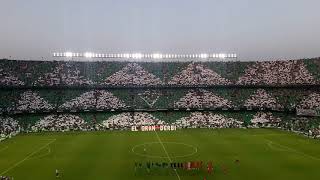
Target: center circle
x=172 y=149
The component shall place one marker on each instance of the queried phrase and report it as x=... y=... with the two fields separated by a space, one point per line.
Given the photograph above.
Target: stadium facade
x=71 y=95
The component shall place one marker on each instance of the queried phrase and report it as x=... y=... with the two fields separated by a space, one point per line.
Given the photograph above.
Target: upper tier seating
x=53 y=73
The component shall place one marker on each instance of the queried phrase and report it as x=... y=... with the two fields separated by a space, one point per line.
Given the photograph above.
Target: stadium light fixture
x=222 y=55
x=148 y=56
x=88 y=55
x=203 y=56
x=137 y=56
x=156 y=56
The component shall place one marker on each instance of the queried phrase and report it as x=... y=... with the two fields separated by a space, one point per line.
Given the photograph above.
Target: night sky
x=254 y=29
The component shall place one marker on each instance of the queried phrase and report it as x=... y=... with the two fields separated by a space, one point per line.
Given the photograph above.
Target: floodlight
x=222 y=55
x=88 y=55
x=68 y=54
x=203 y=56
x=126 y=55
x=157 y=56
x=140 y=55
x=137 y=55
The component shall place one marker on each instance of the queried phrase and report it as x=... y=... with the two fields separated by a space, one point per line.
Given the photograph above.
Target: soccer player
x=144 y=150
x=224 y=169
x=57 y=173
x=210 y=167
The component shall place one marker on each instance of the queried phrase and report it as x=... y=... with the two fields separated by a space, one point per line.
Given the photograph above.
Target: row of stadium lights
x=140 y=56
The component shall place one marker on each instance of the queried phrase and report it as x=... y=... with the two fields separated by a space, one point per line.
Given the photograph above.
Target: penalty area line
x=288 y=149
x=26 y=158
x=167 y=154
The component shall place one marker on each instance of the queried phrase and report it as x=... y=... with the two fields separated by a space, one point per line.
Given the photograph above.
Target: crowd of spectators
x=198 y=74
x=6 y=178
x=310 y=102
x=62 y=74
x=261 y=99
x=98 y=100
x=315 y=132
x=64 y=122
x=207 y=120
x=133 y=74
x=126 y=120
x=7 y=79
x=31 y=101
x=8 y=127
x=265 y=119
x=290 y=72
x=202 y=99
x=277 y=73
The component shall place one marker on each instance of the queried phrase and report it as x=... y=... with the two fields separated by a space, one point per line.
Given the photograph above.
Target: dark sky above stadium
x=254 y=29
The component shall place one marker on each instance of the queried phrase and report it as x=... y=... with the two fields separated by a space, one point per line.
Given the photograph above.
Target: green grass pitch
x=264 y=154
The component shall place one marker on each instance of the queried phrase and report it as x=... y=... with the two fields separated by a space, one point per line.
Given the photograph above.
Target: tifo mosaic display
x=63 y=96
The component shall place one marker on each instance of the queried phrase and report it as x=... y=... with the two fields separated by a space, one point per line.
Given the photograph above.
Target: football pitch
x=262 y=154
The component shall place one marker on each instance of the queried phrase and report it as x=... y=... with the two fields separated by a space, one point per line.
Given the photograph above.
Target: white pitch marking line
x=167 y=154
x=39 y=157
x=26 y=158
x=294 y=150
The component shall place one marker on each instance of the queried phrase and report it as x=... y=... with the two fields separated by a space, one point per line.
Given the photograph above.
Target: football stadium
x=179 y=117
x=159 y=90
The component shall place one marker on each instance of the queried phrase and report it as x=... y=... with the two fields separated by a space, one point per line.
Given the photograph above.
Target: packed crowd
x=292 y=72
x=126 y=120
x=265 y=119
x=207 y=120
x=198 y=74
x=7 y=79
x=310 y=102
x=133 y=74
x=315 y=132
x=97 y=100
x=64 y=122
x=6 y=178
x=31 y=101
x=277 y=72
x=261 y=99
x=62 y=74
x=8 y=127
x=202 y=99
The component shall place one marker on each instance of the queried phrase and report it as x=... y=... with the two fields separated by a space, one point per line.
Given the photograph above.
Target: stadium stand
x=71 y=95
x=8 y=127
